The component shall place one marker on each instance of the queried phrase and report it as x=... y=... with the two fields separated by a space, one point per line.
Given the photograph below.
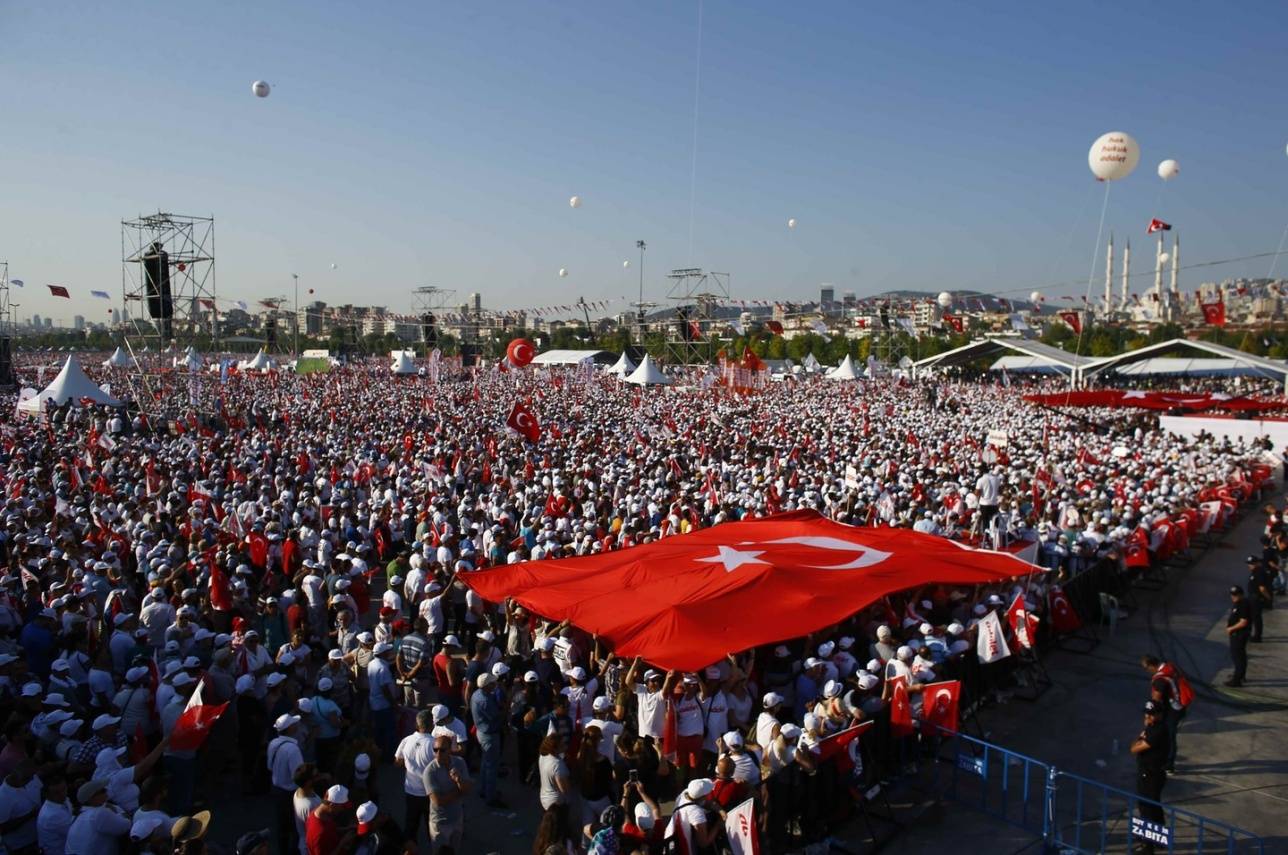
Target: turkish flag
x=1136 y=552
x=1086 y=458
x=258 y=549
x=522 y=422
x=1023 y=623
x=1073 y=320
x=194 y=723
x=900 y=707
x=751 y=361
x=687 y=600
x=1213 y=313
x=1063 y=617
x=837 y=742
x=58 y=291
x=1157 y=225
x=774 y=327
x=939 y=705
x=221 y=592
x=955 y=322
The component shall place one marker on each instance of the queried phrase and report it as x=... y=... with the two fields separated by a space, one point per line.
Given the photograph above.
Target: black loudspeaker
x=270 y=333
x=429 y=329
x=885 y=317
x=156 y=280
x=7 y=377
x=469 y=355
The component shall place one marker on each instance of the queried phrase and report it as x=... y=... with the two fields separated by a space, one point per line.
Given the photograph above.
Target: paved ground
x=1233 y=762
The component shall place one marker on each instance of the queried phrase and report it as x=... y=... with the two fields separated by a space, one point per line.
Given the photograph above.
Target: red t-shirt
x=728 y=794
x=321 y=835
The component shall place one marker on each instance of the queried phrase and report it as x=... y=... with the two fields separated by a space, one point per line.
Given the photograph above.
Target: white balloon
x=563 y=272
x=574 y=202
x=1164 y=258
x=791 y=223
x=1036 y=297
x=1113 y=156
x=260 y=89
x=945 y=299
x=334 y=265
x=626 y=265
x=1168 y=169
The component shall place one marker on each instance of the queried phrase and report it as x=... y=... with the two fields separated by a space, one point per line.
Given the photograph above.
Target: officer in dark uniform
x=1260 y=597
x=1151 y=749
x=1238 y=627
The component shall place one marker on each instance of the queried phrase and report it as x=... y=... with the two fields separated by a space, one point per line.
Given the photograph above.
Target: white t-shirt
x=652 y=712
x=416 y=751
x=549 y=766
x=314 y=590
x=97 y=830
x=611 y=730
x=52 y=824
x=716 y=712
x=431 y=609
x=14 y=802
x=304 y=806
x=379 y=675
x=765 y=724
x=688 y=717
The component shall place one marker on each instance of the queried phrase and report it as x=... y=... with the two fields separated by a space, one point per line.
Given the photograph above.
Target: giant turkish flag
x=685 y=601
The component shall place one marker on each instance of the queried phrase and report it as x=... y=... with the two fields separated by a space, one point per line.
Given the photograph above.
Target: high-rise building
x=826 y=295
x=35 y=321
x=116 y=317
x=311 y=322
x=78 y=322
x=476 y=302
x=49 y=323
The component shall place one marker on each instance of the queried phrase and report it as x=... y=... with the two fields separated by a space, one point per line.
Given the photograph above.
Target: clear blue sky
x=920 y=145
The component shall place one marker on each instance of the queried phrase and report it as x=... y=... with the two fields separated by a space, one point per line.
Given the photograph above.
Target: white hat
x=285 y=721
x=955 y=628
x=338 y=795
x=699 y=788
x=904 y=652
x=874 y=665
x=500 y=669
x=547 y=644
x=335 y=653
x=810 y=721
x=441 y=713
x=382 y=648
x=183 y=678
x=245 y=683
x=644 y=818
x=305 y=705
x=601 y=704
x=366 y=812
x=846 y=642
x=790 y=731
x=868 y=681
x=106 y=720
x=362 y=762
x=145 y=826
x=485 y=679
x=825 y=649
x=70 y=727
x=925 y=629
x=831 y=689
x=772 y=699
x=578 y=673
x=325 y=684
x=732 y=739
x=274 y=680
x=451 y=641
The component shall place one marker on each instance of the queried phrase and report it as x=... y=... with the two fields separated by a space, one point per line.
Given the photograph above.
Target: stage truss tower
x=696 y=294
x=189 y=247
x=429 y=306
x=8 y=377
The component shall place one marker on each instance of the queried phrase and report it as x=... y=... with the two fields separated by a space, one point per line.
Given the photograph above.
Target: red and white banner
x=194 y=723
x=991 y=644
x=740 y=828
x=1023 y=623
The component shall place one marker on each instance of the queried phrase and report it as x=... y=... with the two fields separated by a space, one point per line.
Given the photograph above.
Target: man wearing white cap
x=650 y=698
x=691 y=815
x=284 y=757
x=604 y=719
x=382 y=696
x=322 y=831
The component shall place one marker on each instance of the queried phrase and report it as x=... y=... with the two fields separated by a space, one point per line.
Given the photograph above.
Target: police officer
x=1259 y=595
x=1238 y=627
x=1150 y=748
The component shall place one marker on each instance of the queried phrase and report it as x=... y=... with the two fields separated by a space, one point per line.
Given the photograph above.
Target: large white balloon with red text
x=1113 y=156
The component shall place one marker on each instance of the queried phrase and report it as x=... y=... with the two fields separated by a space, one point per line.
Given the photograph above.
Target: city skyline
x=912 y=155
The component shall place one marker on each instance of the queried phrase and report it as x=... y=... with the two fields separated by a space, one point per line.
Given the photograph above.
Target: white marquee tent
x=403 y=364
x=623 y=366
x=118 y=359
x=845 y=371
x=648 y=374
x=71 y=384
x=260 y=362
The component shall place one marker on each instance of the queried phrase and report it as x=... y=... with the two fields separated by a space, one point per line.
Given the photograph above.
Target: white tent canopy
x=261 y=362
x=71 y=384
x=403 y=364
x=844 y=371
x=623 y=366
x=118 y=359
x=811 y=363
x=648 y=374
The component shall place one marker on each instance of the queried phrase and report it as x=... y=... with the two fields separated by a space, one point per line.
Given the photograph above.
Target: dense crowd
x=295 y=547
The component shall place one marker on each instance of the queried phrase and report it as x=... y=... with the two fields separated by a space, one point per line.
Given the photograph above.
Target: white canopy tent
x=403 y=364
x=845 y=371
x=118 y=359
x=623 y=366
x=810 y=363
x=71 y=384
x=260 y=362
x=648 y=374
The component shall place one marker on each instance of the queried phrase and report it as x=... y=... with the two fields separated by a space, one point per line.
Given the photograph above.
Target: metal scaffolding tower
x=168 y=277
x=696 y=295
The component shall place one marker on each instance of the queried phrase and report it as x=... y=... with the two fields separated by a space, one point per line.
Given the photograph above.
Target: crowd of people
x=295 y=547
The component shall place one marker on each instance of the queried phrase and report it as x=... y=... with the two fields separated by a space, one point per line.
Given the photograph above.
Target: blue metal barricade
x=1071 y=813
x=1089 y=816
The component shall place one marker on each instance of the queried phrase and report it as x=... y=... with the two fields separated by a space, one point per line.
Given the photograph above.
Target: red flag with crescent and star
x=939 y=705
x=900 y=707
x=523 y=422
x=1023 y=622
x=1063 y=617
x=686 y=601
x=194 y=723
